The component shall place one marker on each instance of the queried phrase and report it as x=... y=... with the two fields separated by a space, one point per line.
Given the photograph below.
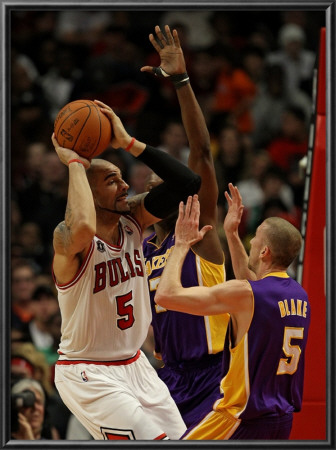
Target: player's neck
x=109 y=233
x=162 y=229
x=264 y=271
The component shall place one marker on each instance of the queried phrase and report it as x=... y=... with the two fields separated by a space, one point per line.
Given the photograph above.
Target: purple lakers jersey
x=181 y=337
x=265 y=370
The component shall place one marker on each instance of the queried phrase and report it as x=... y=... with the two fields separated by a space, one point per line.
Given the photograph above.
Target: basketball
x=82 y=127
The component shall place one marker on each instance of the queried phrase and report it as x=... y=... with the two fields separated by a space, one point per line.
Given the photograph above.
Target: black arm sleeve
x=178 y=182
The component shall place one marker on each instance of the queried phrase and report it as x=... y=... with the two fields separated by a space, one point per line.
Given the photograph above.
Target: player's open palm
x=235 y=210
x=170 y=51
x=187 y=231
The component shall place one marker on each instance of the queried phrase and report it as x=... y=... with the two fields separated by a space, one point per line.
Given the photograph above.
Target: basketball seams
x=67 y=118
x=82 y=130
x=100 y=125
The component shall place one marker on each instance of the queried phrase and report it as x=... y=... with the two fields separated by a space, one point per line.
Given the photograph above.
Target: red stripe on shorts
x=122 y=362
x=161 y=437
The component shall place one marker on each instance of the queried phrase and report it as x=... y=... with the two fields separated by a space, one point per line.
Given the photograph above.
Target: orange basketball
x=82 y=127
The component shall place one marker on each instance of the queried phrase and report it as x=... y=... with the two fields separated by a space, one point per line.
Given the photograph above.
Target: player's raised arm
x=201 y=162
x=237 y=250
x=73 y=236
x=173 y=67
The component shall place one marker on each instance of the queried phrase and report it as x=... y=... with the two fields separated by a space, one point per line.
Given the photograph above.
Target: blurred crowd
x=252 y=73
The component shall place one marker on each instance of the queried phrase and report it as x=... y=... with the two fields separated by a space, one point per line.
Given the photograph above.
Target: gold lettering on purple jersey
x=299 y=307
x=293 y=308
x=157 y=262
x=286 y=307
x=282 y=308
x=304 y=314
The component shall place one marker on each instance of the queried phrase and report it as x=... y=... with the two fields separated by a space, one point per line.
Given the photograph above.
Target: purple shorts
x=194 y=386
x=265 y=428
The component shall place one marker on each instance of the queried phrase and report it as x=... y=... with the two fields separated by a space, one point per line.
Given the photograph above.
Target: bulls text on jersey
x=114 y=271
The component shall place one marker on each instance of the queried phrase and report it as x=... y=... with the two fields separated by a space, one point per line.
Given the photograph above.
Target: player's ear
x=264 y=251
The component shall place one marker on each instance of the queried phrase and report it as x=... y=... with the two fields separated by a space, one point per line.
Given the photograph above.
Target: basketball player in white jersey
x=102 y=375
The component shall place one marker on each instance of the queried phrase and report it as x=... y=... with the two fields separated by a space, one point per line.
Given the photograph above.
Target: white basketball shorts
x=126 y=401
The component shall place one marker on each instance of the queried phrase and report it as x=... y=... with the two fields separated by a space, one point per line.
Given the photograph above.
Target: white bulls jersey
x=106 y=308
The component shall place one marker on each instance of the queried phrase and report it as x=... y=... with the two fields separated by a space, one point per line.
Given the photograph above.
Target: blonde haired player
x=264 y=352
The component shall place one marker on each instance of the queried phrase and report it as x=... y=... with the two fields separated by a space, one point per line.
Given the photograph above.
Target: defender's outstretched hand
x=187 y=231
x=235 y=211
x=170 y=51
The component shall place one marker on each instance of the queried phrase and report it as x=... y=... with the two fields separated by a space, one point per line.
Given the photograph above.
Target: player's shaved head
x=283 y=239
x=97 y=167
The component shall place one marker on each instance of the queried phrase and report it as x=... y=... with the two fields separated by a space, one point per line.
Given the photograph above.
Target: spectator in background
x=29 y=422
x=26 y=62
x=45 y=278
x=234 y=90
x=29 y=111
x=203 y=76
x=291 y=144
x=28 y=362
x=270 y=103
x=174 y=141
x=222 y=28
x=59 y=81
x=37 y=367
x=44 y=305
x=21 y=368
x=274 y=183
x=138 y=175
x=306 y=21
x=32 y=247
x=229 y=162
x=197 y=24
x=113 y=76
x=261 y=37
x=23 y=284
x=29 y=173
x=253 y=62
x=297 y=61
x=250 y=185
x=81 y=27
x=45 y=200
x=275 y=196
x=45 y=52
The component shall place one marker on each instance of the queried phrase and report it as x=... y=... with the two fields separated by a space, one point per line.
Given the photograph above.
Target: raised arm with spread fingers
x=239 y=257
x=200 y=158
